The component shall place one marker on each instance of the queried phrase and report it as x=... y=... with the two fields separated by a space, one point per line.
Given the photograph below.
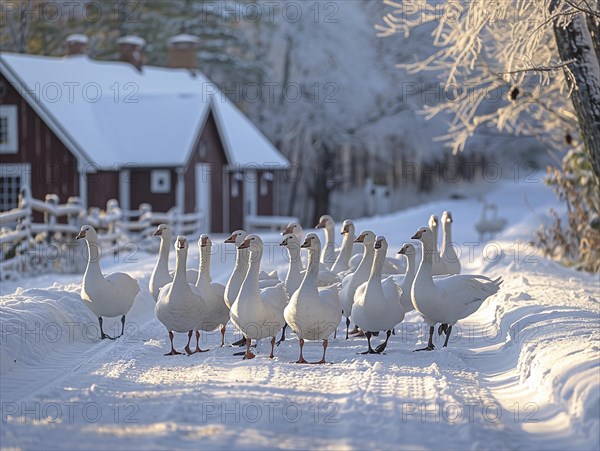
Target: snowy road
x=522 y=373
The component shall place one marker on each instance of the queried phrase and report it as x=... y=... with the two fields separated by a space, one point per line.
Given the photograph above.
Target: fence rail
x=28 y=247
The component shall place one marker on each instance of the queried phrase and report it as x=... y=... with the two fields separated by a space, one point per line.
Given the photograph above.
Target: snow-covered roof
x=184 y=38
x=132 y=40
x=110 y=114
x=81 y=38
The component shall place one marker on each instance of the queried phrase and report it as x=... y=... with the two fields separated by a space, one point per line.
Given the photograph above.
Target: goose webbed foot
x=322 y=361
x=173 y=351
x=198 y=344
x=103 y=336
x=430 y=346
x=379 y=349
x=301 y=358
x=427 y=348
x=240 y=342
x=248 y=354
x=370 y=350
x=356 y=330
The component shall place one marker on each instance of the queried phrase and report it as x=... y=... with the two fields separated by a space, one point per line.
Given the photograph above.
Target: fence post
x=50 y=215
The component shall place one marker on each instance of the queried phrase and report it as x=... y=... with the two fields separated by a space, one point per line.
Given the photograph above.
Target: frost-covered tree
x=528 y=68
x=524 y=67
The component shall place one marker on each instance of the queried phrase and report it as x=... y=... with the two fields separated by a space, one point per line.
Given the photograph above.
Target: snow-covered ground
x=521 y=373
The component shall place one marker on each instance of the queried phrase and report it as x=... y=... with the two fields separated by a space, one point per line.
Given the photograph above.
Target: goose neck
x=93 y=264
x=204 y=269
x=295 y=264
x=180 y=276
x=367 y=261
x=250 y=283
x=377 y=268
x=447 y=239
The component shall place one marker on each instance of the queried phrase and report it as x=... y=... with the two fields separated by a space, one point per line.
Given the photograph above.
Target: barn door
x=203 y=180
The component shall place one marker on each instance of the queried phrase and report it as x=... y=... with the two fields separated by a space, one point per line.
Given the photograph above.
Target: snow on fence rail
x=27 y=246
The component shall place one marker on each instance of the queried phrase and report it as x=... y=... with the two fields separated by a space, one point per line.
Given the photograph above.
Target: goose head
x=312 y=242
x=325 y=222
x=293 y=228
x=181 y=244
x=204 y=241
x=407 y=249
x=163 y=231
x=88 y=233
x=366 y=238
x=433 y=222
x=236 y=238
x=253 y=243
x=425 y=235
x=446 y=218
x=290 y=241
x=381 y=244
x=348 y=227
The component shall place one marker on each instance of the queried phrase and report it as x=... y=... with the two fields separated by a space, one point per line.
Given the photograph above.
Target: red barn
x=166 y=136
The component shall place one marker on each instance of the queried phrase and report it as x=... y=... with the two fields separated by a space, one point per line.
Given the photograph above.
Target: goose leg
x=272 y=347
x=222 y=335
x=347 y=326
x=198 y=341
x=187 y=346
x=379 y=349
x=370 y=350
x=282 y=334
x=448 y=332
x=430 y=346
x=102 y=334
x=122 y=326
x=301 y=358
x=173 y=351
x=325 y=342
x=442 y=328
x=248 y=354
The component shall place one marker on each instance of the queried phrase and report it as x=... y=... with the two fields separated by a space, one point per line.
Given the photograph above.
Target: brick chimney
x=131 y=50
x=76 y=44
x=183 y=49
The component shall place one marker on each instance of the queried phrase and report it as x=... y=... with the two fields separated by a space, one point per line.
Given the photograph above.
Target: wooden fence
x=28 y=247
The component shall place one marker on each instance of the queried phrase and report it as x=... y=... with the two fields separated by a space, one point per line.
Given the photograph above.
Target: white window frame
x=10 y=113
x=23 y=170
x=160 y=174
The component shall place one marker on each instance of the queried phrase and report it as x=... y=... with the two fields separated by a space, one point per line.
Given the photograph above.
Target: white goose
x=448 y=254
x=257 y=313
x=213 y=293
x=352 y=281
x=180 y=305
x=312 y=313
x=446 y=300
x=439 y=266
x=161 y=275
x=329 y=253
x=377 y=304
x=240 y=269
x=108 y=296
x=342 y=262
x=295 y=229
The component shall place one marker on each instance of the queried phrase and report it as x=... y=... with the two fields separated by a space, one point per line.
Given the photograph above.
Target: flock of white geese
x=368 y=288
